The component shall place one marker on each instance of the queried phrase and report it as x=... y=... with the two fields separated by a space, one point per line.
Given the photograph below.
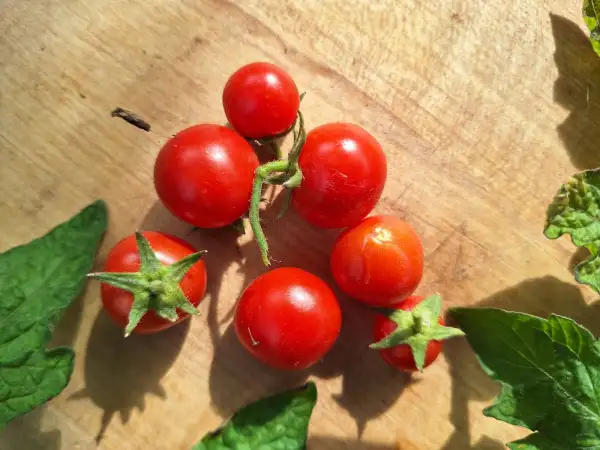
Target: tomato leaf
x=277 y=422
x=37 y=282
x=591 y=16
x=549 y=371
x=575 y=210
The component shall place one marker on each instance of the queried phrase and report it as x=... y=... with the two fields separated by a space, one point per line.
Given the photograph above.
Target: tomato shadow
x=537 y=296
x=119 y=372
x=369 y=389
x=578 y=90
x=267 y=150
x=369 y=386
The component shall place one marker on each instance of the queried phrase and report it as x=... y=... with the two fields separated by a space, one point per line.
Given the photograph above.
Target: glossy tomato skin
x=379 y=261
x=288 y=318
x=261 y=100
x=204 y=175
x=400 y=356
x=124 y=257
x=343 y=174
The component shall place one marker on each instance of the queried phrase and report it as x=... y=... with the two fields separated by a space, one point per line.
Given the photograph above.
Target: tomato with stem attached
x=261 y=100
x=334 y=177
x=379 y=261
x=204 y=174
x=288 y=318
x=151 y=281
x=408 y=334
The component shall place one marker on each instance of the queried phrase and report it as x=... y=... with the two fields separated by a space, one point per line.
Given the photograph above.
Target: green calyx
x=416 y=328
x=282 y=172
x=155 y=287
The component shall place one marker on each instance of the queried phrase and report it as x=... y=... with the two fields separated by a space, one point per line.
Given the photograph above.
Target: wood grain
x=483 y=107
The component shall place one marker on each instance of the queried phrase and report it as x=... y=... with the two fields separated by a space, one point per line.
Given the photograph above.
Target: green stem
x=254 y=215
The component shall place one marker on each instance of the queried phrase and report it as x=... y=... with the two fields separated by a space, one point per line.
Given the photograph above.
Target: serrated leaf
x=279 y=422
x=37 y=282
x=549 y=371
x=591 y=16
x=575 y=211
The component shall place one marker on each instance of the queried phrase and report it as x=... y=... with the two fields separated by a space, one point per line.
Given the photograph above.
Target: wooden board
x=483 y=107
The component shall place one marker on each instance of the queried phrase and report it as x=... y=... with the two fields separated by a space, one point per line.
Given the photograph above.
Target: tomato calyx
x=155 y=287
x=416 y=328
x=281 y=172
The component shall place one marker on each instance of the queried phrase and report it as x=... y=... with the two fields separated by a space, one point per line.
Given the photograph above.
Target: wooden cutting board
x=484 y=107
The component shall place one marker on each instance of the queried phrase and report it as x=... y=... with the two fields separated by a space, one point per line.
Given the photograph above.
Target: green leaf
x=575 y=211
x=549 y=371
x=591 y=16
x=37 y=282
x=279 y=422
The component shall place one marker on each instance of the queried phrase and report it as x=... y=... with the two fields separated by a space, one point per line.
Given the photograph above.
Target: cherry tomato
x=400 y=356
x=204 y=174
x=288 y=318
x=125 y=257
x=343 y=174
x=261 y=100
x=379 y=261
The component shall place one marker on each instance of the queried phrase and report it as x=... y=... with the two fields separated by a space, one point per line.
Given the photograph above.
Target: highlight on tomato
x=379 y=261
x=288 y=318
x=408 y=334
x=152 y=281
x=204 y=174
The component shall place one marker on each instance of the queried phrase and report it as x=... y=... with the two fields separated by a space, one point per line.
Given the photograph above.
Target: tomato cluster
x=209 y=176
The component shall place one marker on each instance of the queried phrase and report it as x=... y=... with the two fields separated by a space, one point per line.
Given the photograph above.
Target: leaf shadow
x=578 y=90
x=369 y=389
x=119 y=372
x=537 y=296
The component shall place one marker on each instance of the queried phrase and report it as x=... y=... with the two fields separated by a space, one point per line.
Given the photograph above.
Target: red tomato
x=379 y=261
x=261 y=100
x=124 y=257
x=343 y=173
x=400 y=356
x=204 y=174
x=288 y=318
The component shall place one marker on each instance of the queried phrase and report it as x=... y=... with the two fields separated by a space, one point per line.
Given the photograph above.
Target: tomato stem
x=260 y=175
x=288 y=175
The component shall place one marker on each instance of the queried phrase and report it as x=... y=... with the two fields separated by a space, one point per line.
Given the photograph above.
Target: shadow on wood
x=24 y=433
x=537 y=296
x=296 y=243
x=119 y=371
x=577 y=89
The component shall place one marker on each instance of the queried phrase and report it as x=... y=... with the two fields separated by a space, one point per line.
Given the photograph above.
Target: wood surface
x=484 y=107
